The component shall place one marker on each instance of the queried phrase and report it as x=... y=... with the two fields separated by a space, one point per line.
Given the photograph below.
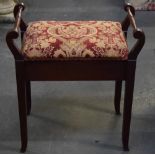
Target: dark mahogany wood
x=21 y=91
x=118 y=90
x=28 y=96
x=129 y=87
x=83 y=69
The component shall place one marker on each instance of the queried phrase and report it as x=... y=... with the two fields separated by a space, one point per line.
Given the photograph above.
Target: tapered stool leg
x=21 y=90
x=28 y=97
x=129 y=88
x=118 y=89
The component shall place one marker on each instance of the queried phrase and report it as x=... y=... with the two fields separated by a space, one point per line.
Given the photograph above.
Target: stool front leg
x=21 y=91
x=129 y=88
x=28 y=97
x=22 y=113
x=118 y=89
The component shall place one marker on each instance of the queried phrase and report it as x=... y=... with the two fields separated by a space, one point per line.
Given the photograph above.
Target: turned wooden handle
x=137 y=33
x=132 y=19
x=18 y=20
x=131 y=13
x=18 y=15
x=14 y=33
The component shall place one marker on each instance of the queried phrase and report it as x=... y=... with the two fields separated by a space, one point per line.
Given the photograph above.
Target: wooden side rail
x=14 y=33
x=137 y=33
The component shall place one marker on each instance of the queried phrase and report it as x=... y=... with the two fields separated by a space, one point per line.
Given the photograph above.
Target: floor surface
x=78 y=117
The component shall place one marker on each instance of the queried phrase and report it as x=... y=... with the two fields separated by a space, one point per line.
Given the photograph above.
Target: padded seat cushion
x=74 y=39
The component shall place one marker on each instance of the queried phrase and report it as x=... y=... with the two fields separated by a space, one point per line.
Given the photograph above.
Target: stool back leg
x=129 y=88
x=118 y=89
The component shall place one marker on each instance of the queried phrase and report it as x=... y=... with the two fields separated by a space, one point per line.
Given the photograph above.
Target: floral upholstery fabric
x=74 y=39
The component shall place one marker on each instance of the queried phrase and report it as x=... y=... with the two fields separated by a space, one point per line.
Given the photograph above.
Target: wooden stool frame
x=83 y=69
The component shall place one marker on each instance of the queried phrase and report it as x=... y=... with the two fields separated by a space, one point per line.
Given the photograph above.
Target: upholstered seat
x=74 y=39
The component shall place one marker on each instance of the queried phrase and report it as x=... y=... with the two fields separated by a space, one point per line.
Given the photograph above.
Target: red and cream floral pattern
x=74 y=39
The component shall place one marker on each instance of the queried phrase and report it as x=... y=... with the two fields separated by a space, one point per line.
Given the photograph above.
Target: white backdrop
x=143 y=4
